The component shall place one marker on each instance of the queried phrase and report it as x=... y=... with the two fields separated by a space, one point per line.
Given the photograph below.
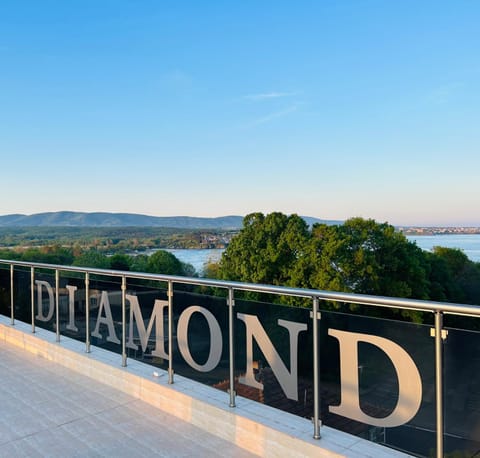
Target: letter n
x=288 y=380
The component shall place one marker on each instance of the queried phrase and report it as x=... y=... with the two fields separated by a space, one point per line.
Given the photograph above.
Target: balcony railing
x=414 y=387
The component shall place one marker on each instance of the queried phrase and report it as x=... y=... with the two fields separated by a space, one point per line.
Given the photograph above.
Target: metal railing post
x=231 y=345
x=124 y=321
x=32 y=295
x=87 y=312
x=170 y=331
x=439 y=381
x=57 y=318
x=316 y=364
x=12 y=307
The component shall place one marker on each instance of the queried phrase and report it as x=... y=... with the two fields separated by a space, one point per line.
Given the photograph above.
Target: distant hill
x=103 y=219
x=311 y=220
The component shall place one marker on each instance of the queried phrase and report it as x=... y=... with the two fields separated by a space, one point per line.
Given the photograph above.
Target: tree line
x=160 y=262
x=110 y=240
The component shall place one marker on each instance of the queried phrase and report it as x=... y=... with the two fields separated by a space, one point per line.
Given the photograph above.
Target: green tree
x=9 y=254
x=443 y=287
x=189 y=270
x=120 y=262
x=139 y=263
x=164 y=262
x=92 y=258
x=51 y=254
x=212 y=270
x=366 y=257
x=266 y=250
x=455 y=277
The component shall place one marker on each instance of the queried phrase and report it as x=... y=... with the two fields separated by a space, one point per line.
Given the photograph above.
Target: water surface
x=468 y=243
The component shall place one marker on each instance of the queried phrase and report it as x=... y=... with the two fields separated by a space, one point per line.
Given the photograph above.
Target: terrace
x=129 y=363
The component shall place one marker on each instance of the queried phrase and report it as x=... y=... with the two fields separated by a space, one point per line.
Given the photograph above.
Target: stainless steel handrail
x=351 y=298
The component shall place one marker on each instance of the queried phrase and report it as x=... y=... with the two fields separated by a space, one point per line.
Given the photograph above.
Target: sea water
x=468 y=243
x=197 y=257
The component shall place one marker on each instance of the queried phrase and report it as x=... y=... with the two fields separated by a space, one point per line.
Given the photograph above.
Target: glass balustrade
x=377 y=378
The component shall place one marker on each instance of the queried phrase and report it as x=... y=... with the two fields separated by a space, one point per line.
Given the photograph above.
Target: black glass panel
x=200 y=338
x=72 y=305
x=272 y=379
x=378 y=382
x=462 y=392
x=147 y=322
x=44 y=299
x=5 y=289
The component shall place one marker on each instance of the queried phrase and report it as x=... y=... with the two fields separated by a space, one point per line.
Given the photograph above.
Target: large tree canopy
x=163 y=262
x=360 y=256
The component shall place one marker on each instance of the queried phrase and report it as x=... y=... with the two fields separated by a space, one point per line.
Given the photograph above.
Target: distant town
x=439 y=230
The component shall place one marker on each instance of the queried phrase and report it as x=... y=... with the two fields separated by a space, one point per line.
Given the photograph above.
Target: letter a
x=409 y=381
x=107 y=320
x=144 y=333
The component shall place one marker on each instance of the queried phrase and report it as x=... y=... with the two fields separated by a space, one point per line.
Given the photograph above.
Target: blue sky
x=330 y=109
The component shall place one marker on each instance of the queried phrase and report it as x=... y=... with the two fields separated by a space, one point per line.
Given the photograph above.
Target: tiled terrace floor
x=47 y=410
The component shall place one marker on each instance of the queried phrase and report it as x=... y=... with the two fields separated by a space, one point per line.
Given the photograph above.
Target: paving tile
x=18 y=449
x=50 y=411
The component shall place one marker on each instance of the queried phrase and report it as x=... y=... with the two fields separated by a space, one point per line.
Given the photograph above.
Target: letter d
x=40 y=285
x=409 y=381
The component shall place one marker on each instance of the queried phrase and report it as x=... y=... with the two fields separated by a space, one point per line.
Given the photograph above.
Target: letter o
x=215 y=339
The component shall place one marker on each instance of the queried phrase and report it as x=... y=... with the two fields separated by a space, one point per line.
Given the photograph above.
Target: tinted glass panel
x=378 y=381
x=462 y=392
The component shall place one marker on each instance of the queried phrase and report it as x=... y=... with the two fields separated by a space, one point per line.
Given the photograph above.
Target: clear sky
x=330 y=109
